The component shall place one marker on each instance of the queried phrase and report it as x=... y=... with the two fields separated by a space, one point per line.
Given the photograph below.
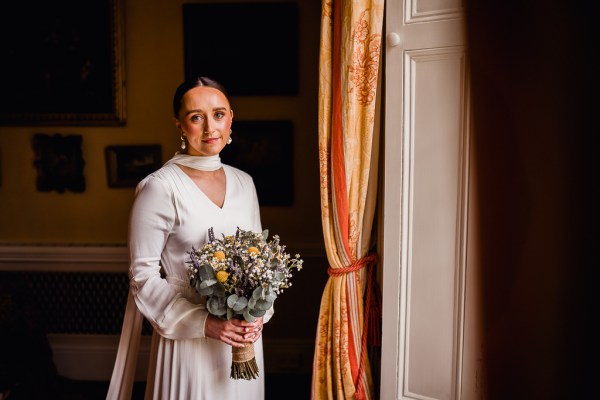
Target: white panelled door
x=430 y=341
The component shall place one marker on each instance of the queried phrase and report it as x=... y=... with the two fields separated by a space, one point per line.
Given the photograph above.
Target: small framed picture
x=59 y=163
x=126 y=166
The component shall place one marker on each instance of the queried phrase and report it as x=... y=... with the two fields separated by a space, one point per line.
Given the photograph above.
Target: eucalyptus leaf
x=249 y=317
x=221 y=311
x=263 y=305
x=218 y=290
x=231 y=300
x=257 y=313
x=206 y=272
x=270 y=297
x=216 y=306
x=265 y=234
x=279 y=276
x=240 y=304
x=206 y=291
x=207 y=283
x=229 y=313
x=257 y=293
x=251 y=303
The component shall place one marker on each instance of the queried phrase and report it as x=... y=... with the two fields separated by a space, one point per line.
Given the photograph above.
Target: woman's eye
x=196 y=118
x=219 y=115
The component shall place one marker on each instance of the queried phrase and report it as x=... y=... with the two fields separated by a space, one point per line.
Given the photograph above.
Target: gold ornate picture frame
x=63 y=63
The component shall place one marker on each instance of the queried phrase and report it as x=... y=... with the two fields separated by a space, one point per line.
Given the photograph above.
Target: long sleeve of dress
x=170 y=215
x=152 y=218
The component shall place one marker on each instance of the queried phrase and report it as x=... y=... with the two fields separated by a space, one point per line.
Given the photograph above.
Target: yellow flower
x=222 y=276
x=253 y=250
x=219 y=255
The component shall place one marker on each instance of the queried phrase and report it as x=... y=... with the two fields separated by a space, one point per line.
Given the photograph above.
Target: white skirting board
x=92 y=357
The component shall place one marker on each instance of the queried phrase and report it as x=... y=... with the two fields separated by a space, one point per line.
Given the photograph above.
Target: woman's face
x=205 y=118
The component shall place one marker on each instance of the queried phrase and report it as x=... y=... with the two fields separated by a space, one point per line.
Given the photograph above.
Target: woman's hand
x=235 y=332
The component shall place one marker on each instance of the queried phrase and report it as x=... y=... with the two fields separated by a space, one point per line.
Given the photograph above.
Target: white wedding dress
x=170 y=215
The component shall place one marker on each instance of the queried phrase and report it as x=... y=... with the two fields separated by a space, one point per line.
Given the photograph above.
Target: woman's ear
x=177 y=123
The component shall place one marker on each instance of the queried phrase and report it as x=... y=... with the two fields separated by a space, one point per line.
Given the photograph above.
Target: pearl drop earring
x=182 y=137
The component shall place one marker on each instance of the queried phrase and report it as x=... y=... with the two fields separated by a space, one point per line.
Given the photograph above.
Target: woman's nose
x=208 y=127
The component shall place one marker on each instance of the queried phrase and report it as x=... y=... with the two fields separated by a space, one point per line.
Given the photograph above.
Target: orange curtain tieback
x=371 y=328
x=355 y=266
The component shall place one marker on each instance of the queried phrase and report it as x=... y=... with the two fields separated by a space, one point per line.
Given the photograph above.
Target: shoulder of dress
x=161 y=177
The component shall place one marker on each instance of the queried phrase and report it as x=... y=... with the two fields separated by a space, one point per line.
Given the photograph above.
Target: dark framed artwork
x=59 y=163
x=264 y=149
x=126 y=166
x=62 y=63
x=251 y=48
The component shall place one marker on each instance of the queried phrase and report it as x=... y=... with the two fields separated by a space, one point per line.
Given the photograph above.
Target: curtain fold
x=348 y=144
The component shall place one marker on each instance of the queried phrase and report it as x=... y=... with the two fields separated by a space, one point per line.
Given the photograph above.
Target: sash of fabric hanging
x=121 y=382
x=349 y=67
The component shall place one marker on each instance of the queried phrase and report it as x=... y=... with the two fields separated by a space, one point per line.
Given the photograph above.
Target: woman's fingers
x=238 y=340
x=243 y=334
x=254 y=334
x=234 y=341
x=245 y=328
x=246 y=324
x=237 y=333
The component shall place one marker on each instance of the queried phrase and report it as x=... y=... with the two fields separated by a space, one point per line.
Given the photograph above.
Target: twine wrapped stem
x=243 y=363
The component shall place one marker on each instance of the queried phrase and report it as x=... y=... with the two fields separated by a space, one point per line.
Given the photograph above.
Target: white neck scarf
x=202 y=163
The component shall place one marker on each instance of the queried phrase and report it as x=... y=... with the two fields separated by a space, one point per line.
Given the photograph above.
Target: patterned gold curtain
x=348 y=146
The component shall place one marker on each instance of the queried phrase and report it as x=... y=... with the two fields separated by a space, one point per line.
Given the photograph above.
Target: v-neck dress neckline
x=204 y=195
x=168 y=218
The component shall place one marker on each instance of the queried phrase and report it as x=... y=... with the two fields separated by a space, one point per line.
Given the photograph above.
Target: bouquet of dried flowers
x=241 y=275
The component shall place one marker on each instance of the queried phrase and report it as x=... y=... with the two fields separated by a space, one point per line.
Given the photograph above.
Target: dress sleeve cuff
x=183 y=321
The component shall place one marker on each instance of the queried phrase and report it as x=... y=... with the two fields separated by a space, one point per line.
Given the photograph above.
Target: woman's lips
x=210 y=141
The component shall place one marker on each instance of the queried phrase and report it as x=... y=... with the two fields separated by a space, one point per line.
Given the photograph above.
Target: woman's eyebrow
x=214 y=109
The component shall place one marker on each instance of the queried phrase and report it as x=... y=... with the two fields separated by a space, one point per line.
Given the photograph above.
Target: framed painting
x=62 y=63
x=264 y=149
x=59 y=163
x=251 y=48
x=126 y=166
